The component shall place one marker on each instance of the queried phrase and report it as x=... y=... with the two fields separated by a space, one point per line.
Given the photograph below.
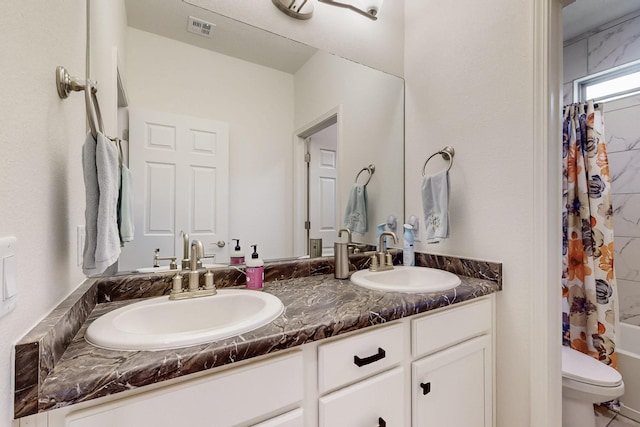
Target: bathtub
x=628 y=350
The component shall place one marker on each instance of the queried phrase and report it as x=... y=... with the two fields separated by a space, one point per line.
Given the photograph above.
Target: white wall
x=470 y=84
x=371 y=105
x=108 y=23
x=377 y=44
x=42 y=196
x=257 y=103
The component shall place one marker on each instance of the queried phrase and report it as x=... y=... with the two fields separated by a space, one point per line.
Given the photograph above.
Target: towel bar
x=371 y=169
x=66 y=84
x=447 y=154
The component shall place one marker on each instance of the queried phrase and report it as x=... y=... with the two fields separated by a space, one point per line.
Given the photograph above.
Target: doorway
x=316 y=184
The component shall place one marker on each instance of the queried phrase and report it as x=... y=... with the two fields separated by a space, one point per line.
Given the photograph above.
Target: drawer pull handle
x=382 y=422
x=426 y=388
x=367 y=360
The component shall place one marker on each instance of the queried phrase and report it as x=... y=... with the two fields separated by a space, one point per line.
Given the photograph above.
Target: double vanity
x=334 y=352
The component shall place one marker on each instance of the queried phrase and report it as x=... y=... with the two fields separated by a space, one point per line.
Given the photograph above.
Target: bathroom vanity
x=339 y=355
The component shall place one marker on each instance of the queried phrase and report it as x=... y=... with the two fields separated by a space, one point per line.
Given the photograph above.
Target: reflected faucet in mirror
x=289 y=69
x=185 y=251
x=173 y=265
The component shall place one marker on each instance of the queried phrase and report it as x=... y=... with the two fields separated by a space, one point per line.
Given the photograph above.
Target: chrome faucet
x=193 y=288
x=381 y=261
x=173 y=265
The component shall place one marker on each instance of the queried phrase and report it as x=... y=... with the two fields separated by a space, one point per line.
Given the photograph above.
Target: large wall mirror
x=274 y=100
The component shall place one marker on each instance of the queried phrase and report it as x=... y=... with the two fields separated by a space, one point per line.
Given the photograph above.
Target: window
x=612 y=84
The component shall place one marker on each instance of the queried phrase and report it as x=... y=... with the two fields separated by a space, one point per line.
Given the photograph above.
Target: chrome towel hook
x=371 y=169
x=447 y=153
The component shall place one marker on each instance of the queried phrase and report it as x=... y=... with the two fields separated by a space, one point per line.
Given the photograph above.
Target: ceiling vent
x=198 y=26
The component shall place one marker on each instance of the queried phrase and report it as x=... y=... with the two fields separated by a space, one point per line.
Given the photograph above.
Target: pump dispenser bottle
x=237 y=256
x=255 y=270
x=384 y=241
x=408 y=251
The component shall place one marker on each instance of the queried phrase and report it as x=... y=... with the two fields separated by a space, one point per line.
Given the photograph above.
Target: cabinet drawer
x=226 y=399
x=437 y=331
x=290 y=419
x=351 y=359
x=377 y=401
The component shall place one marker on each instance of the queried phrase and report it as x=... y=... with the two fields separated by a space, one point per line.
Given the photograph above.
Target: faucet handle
x=211 y=256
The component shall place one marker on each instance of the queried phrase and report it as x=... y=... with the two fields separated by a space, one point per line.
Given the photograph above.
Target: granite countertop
x=53 y=371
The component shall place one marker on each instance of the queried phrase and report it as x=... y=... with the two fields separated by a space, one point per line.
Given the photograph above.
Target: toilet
x=586 y=381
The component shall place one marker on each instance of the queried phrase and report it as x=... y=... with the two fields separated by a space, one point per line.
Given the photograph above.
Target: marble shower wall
x=622 y=132
x=610 y=46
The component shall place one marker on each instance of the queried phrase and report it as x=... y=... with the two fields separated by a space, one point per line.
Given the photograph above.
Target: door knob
x=220 y=244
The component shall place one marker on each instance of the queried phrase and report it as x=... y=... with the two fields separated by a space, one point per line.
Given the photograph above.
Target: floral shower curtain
x=588 y=279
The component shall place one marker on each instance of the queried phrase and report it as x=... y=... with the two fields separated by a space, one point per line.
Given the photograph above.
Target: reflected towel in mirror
x=125 y=206
x=355 y=216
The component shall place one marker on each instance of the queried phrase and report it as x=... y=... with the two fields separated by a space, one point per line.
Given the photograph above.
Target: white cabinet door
x=378 y=401
x=180 y=168
x=453 y=387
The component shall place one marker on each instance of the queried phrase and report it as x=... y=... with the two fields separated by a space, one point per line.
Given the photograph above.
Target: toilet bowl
x=586 y=381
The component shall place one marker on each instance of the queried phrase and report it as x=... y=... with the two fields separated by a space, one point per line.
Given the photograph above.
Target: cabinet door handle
x=426 y=388
x=382 y=422
x=367 y=360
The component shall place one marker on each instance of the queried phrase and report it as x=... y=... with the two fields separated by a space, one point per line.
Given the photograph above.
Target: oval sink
x=158 y=323
x=406 y=279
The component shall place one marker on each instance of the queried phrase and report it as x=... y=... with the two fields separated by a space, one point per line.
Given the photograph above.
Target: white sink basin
x=406 y=279
x=158 y=323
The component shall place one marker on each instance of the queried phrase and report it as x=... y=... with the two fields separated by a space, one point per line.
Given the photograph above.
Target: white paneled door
x=323 y=187
x=180 y=168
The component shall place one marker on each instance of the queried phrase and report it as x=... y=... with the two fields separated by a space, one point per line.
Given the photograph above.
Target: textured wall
x=469 y=84
x=42 y=196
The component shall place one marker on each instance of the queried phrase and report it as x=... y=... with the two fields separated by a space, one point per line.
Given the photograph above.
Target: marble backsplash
x=38 y=352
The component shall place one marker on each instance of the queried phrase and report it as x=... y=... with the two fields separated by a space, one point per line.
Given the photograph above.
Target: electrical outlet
x=80 y=237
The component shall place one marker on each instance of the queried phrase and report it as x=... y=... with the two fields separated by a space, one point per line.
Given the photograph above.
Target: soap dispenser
x=384 y=241
x=408 y=251
x=237 y=256
x=255 y=270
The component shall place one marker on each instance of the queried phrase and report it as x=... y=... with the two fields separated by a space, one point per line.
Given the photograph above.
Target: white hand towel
x=435 y=205
x=101 y=174
x=355 y=216
x=125 y=206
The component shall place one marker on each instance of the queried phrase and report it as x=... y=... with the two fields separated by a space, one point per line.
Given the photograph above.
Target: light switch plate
x=8 y=275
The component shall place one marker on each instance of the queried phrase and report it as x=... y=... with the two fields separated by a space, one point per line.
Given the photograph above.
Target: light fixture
x=299 y=9
x=368 y=8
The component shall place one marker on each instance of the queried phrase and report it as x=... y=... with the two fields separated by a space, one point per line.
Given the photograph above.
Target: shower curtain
x=588 y=279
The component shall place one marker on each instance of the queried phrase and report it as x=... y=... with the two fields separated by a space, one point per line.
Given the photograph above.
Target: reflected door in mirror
x=180 y=167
